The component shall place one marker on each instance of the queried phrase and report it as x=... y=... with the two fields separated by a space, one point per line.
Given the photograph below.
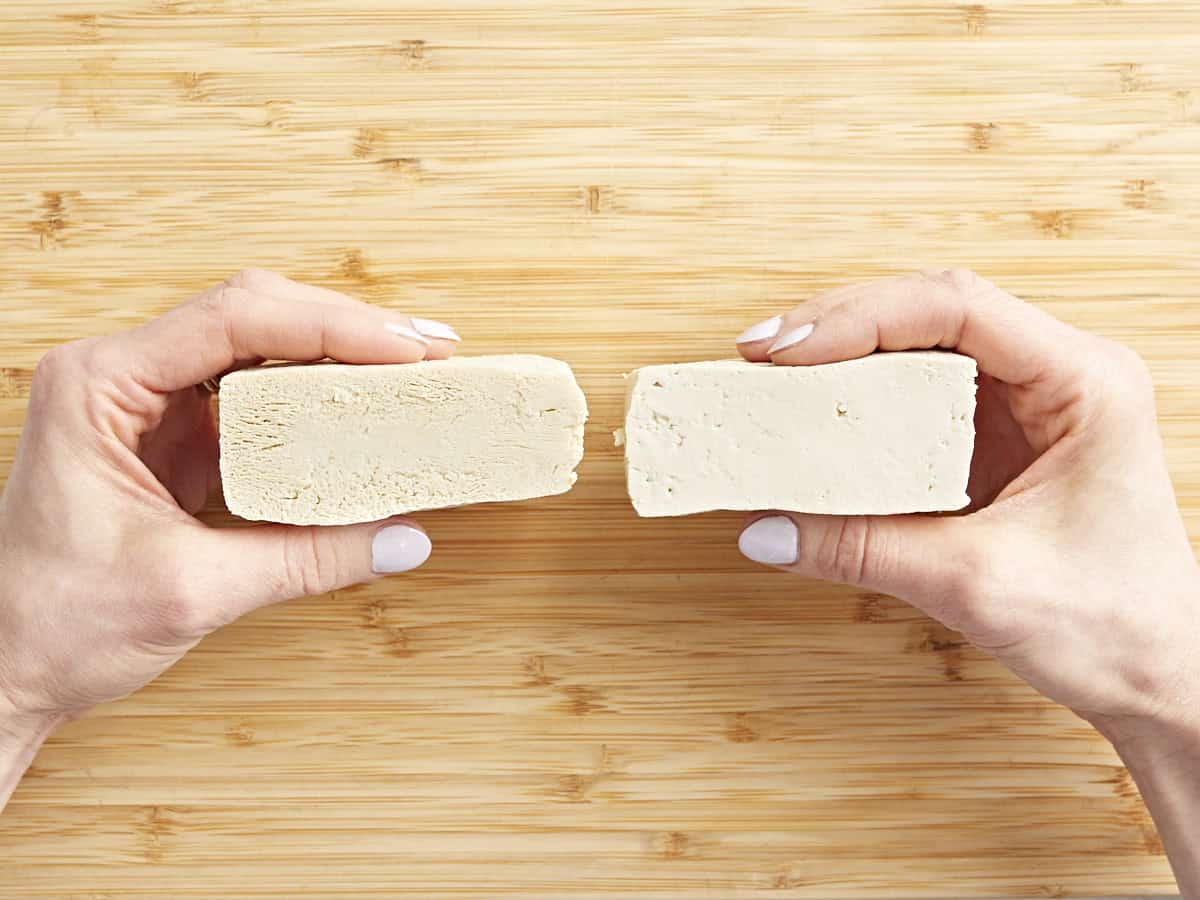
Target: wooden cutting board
x=569 y=701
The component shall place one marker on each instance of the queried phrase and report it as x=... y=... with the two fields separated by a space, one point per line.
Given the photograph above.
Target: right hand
x=1073 y=567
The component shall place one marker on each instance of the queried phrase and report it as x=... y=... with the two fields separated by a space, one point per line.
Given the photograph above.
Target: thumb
x=932 y=562
x=254 y=566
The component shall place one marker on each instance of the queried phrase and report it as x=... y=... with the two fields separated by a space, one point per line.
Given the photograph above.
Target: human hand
x=1072 y=566
x=108 y=579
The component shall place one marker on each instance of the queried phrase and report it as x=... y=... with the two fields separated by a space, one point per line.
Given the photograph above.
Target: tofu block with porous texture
x=888 y=433
x=332 y=444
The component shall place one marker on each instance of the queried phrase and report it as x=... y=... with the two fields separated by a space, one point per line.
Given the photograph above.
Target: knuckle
x=253 y=279
x=52 y=361
x=211 y=306
x=965 y=281
x=64 y=371
x=65 y=358
x=220 y=301
x=180 y=608
x=937 y=275
x=1134 y=368
x=968 y=283
x=960 y=275
x=971 y=587
x=843 y=553
x=225 y=299
x=312 y=563
x=1125 y=376
x=219 y=308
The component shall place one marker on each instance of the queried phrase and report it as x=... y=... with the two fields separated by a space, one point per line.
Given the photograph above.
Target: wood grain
x=569 y=701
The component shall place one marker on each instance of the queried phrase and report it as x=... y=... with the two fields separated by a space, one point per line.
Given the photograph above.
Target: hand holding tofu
x=1073 y=567
x=107 y=577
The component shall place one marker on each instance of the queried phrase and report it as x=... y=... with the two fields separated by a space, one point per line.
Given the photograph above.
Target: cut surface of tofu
x=887 y=433
x=331 y=444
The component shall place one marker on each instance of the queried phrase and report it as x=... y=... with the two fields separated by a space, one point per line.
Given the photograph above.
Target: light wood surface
x=568 y=700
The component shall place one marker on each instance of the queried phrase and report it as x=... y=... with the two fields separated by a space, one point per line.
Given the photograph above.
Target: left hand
x=108 y=578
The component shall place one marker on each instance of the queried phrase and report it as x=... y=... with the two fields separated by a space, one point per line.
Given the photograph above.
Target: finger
x=755 y=341
x=182 y=452
x=1011 y=340
x=264 y=281
x=1002 y=449
x=246 y=568
x=443 y=339
x=211 y=334
x=930 y=561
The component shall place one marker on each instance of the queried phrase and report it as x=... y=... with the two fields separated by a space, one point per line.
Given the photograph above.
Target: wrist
x=1163 y=756
x=21 y=736
x=1147 y=742
x=1162 y=709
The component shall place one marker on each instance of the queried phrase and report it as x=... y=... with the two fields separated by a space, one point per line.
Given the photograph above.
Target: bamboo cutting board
x=568 y=701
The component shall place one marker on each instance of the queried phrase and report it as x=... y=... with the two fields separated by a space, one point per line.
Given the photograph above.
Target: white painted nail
x=406 y=332
x=398 y=548
x=434 y=329
x=761 y=331
x=793 y=337
x=773 y=540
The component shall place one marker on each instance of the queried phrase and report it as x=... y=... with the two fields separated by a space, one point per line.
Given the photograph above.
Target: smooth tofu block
x=331 y=444
x=888 y=433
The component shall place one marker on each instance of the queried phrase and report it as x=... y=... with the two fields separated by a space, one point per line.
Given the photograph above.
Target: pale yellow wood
x=569 y=701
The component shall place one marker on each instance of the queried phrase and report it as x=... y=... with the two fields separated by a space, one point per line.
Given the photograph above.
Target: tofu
x=888 y=433
x=332 y=444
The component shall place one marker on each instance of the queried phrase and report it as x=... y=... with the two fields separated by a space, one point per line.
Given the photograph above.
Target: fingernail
x=793 y=337
x=405 y=331
x=435 y=329
x=398 y=548
x=761 y=331
x=772 y=540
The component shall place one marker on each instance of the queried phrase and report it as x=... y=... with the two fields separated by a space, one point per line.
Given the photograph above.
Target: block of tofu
x=888 y=433
x=331 y=444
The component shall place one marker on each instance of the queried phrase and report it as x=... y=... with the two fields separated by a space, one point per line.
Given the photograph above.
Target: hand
x=1072 y=567
x=108 y=579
